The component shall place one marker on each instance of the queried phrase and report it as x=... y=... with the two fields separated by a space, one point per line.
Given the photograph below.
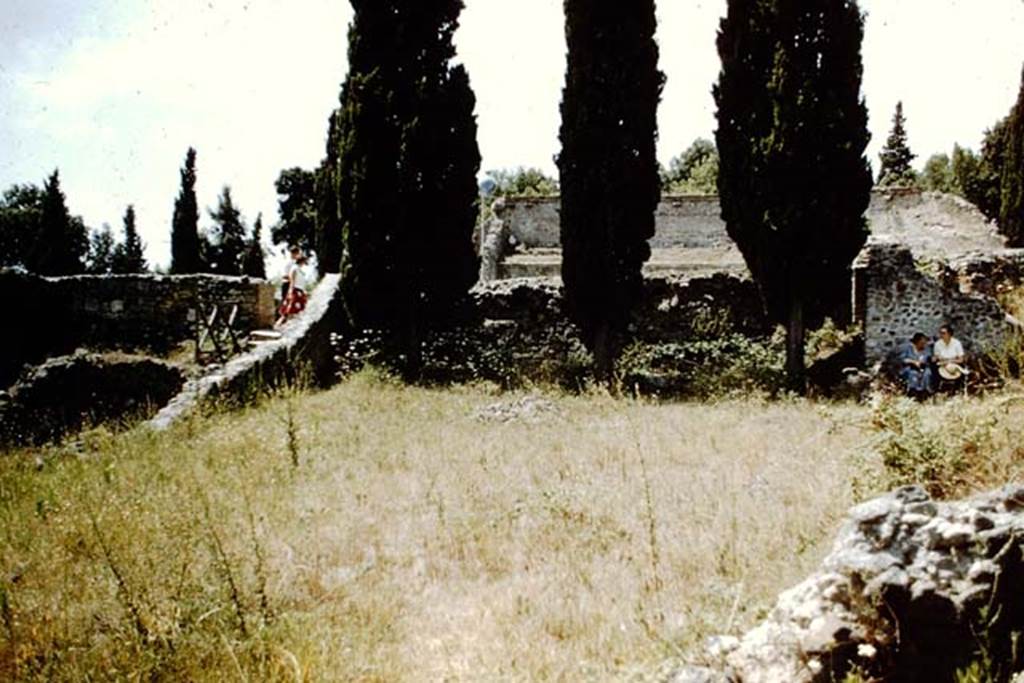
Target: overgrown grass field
x=377 y=532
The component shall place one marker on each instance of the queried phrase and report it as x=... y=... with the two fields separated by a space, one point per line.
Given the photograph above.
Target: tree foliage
x=608 y=168
x=21 y=208
x=792 y=134
x=328 y=232
x=406 y=177
x=519 y=182
x=227 y=236
x=1011 y=206
x=896 y=156
x=129 y=255
x=100 y=260
x=938 y=174
x=62 y=241
x=186 y=248
x=695 y=171
x=254 y=262
x=296 y=206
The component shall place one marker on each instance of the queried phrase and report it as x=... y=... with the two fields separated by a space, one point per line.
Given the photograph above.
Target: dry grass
x=386 y=533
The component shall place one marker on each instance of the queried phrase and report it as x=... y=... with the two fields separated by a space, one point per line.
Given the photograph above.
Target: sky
x=113 y=92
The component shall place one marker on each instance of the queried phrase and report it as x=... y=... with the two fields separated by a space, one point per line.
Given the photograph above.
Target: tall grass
x=378 y=532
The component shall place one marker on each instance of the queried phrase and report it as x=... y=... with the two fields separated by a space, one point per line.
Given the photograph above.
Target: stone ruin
x=931 y=258
x=59 y=318
x=913 y=590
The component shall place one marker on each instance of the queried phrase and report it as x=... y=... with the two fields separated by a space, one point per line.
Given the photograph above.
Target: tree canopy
x=608 y=168
x=695 y=171
x=792 y=133
x=896 y=156
x=62 y=241
x=186 y=248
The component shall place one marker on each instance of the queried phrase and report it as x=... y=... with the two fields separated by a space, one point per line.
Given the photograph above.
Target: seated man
x=949 y=357
x=916 y=367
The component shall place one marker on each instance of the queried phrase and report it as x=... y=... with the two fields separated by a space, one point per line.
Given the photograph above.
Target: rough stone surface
x=302 y=354
x=690 y=232
x=67 y=393
x=54 y=316
x=913 y=590
x=894 y=297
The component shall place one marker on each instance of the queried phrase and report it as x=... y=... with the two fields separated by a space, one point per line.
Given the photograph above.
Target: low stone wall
x=303 y=354
x=53 y=316
x=894 y=297
x=154 y=310
x=66 y=393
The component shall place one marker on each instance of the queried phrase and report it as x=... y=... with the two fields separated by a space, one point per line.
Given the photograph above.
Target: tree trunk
x=604 y=353
x=795 y=377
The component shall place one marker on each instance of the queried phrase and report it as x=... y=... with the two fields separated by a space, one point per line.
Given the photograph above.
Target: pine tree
x=793 y=178
x=406 y=173
x=296 y=205
x=328 y=219
x=1011 y=206
x=607 y=166
x=186 y=256
x=227 y=236
x=896 y=155
x=254 y=263
x=62 y=241
x=101 y=251
x=129 y=256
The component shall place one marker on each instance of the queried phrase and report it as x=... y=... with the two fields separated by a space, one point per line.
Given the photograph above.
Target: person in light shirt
x=295 y=298
x=948 y=354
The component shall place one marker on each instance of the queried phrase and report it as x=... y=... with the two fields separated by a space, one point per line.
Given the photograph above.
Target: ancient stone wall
x=933 y=225
x=53 y=316
x=155 y=310
x=896 y=296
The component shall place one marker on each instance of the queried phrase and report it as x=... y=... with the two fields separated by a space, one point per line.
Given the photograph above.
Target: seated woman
x=294 y=301
x=916 y=367
x=949 y=357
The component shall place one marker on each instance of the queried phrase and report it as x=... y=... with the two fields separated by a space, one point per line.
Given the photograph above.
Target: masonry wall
x=53 y=316
x=157 y=310
x=894 y=297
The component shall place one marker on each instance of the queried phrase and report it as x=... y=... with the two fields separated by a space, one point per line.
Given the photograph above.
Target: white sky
x=115 y=93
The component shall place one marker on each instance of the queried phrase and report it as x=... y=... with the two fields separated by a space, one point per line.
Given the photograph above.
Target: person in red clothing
x=295 y=296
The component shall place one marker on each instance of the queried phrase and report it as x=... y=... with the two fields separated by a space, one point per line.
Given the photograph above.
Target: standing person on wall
x=296 y=283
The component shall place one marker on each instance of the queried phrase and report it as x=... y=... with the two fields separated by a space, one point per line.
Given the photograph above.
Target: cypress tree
x=1011 y=212
x=608 y=169
x=129 y=256
x=896 y=155
x=254 y=264
x=793 y=178
x=227 y=238
x=406 y=173
x=61 y=241
x=328 y=220
x=101 y=251
x=186 y=254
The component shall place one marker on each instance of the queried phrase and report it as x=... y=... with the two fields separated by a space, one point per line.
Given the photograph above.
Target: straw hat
x=951 y=371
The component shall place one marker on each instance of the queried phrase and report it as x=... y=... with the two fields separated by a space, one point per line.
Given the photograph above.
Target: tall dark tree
x=129 y=256
x=62 y=240
x=792 y=133
x=406 y=176
x=227 y=236
x=101 y=251
x=896 y=155
x=186 y=249
x=607 y=166
x=254 y=263
x=1011 y=206
x=327 y=217
x=21 y=208
x=296 y=206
